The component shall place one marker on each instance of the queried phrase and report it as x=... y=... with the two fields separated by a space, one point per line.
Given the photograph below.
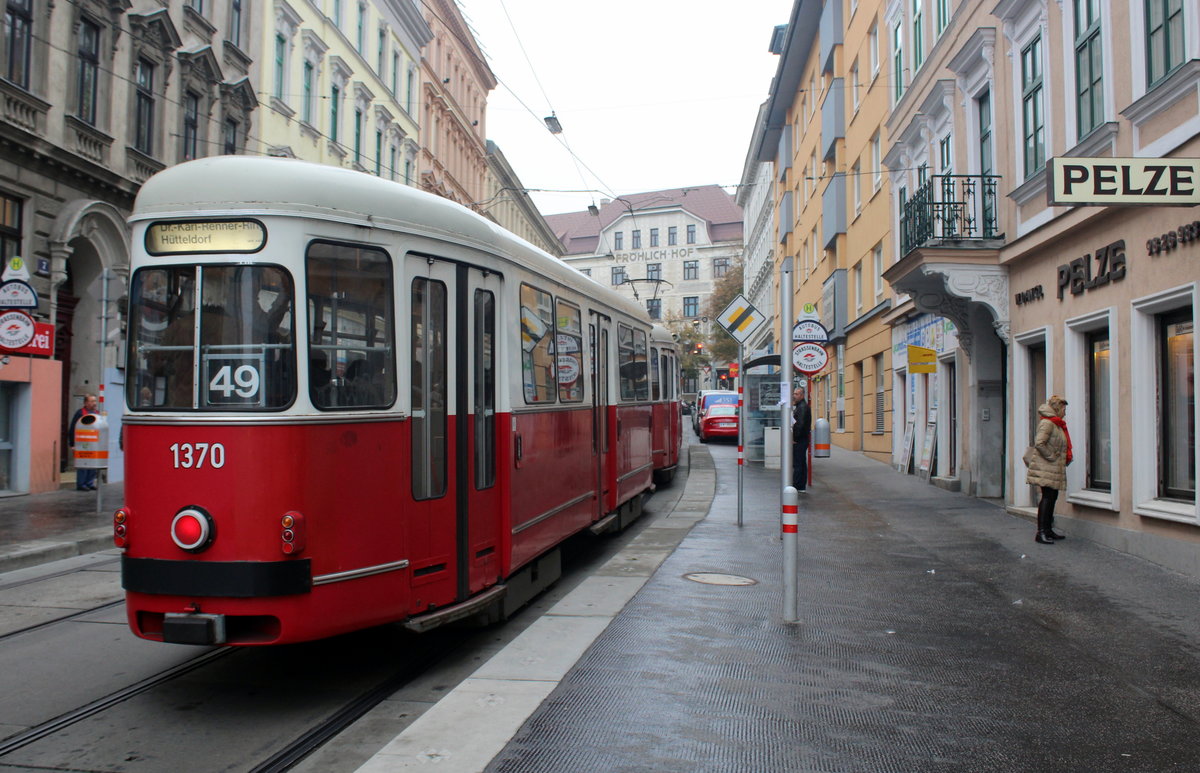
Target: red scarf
x=1063 y=426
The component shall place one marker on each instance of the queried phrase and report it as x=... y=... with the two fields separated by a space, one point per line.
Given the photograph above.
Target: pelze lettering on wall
x=1078 y=275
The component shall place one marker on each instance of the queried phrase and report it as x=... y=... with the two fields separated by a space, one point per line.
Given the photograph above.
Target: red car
x=719 y=421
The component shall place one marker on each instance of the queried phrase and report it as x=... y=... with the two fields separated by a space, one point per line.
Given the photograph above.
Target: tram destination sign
x=1100 y=182
x=189 y=237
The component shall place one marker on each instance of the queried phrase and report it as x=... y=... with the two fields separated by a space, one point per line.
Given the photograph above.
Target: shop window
x=1177 y=410
x=1099 y=409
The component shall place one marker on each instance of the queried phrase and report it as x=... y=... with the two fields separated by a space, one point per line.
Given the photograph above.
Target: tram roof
x=230 y=186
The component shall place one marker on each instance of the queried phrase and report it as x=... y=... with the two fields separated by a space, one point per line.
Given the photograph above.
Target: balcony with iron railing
x=951 y=210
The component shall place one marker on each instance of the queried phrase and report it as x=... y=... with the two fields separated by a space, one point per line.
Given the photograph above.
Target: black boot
x=1050 y=532
x=1044 y=515
x=1044 y=538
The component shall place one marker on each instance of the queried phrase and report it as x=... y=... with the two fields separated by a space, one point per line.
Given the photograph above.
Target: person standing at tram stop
x=85 y=479
x=801 y=436
x=1048 y=458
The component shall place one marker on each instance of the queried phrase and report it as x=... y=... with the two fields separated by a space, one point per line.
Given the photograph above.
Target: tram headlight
x=121 y=528
x=292 y=538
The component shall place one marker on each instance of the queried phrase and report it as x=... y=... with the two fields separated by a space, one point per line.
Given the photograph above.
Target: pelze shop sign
x=1123 y=181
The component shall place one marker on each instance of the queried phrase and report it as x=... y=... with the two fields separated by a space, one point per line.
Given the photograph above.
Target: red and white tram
x=352 y=403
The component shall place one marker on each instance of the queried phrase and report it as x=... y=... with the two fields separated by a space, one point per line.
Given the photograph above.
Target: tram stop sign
x=809 y=358
x=740 y=319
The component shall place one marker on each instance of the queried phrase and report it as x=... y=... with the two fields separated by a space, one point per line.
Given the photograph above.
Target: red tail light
x=193 y=529
x=292 y=533
x=121 y=528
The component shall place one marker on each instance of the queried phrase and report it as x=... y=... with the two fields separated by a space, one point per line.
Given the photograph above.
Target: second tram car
x=353 y=403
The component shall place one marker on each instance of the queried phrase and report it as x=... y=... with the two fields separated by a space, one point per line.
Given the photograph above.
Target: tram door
x=599 y=329
x=454 y=528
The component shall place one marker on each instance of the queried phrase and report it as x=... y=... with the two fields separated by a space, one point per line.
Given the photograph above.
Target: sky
x=651 y=94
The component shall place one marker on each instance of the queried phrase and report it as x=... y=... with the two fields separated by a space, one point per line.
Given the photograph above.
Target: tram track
x=92 y=708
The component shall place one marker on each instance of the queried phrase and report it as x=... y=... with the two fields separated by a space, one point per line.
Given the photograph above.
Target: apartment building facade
x=1014 y=288
x=97 y=97
x=824 y=130
x=340 y=84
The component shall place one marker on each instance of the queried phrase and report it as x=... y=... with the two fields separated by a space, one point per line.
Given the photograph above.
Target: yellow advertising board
x=922 y=360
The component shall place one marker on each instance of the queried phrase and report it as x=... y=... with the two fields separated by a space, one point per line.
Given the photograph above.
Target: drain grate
x=716 y=578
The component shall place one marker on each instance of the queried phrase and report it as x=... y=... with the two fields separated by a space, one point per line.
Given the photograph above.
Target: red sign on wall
x=42 y=343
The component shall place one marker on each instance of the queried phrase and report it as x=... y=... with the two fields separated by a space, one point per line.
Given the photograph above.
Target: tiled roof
x=580 y=231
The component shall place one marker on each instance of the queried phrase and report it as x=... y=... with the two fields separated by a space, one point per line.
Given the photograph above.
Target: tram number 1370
x=189 y=455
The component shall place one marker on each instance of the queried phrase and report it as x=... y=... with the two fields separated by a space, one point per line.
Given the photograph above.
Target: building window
x=672 y=236
x=1099 y=408
x=984 y=110
x=280 y=64
x=335 y=97
x=854 y=85
x=654 y=308
x=337 y=13
x=873 y=49
x=653 y=237
x=691 y=234
x=720 y=267
x=691 y=269
x=10 y=228
x=898 y=61
x=918 y=34
x=235 y=23
x=1177 y=417
x=230 y=138
x=196 y=5
x=880 y=379
x=859 y=290
x=1032 y=116
x=876 y=161
x=396 y=73
x=89 y=70
x=691 y=305
x=144 y=111
x=856 y=174
x=585 y=271
x=878 y=257
x=654 y=271
x=941 y=15
x=1089 y=67
x=18 y=40
x=379 y=152
x=618 y=241
x=1164 y=38
x=637 y=239
x=191 y=125
x=360 y=38
x=309 y=73
x=382 y=52
x=358 y=128
x=618 y=275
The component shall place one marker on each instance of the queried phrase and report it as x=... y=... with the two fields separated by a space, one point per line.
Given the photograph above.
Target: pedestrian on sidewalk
x=801 y=435
x=1048 y=459
x=85 y=478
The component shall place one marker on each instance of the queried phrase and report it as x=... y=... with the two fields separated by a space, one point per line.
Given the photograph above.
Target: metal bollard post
x=791 y=549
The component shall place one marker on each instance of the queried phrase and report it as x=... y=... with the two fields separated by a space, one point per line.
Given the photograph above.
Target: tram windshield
x=211 y=338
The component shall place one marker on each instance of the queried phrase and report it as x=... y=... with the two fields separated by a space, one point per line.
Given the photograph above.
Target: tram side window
x=211 y=338
x=429 y=388
x=631 y=363
x=655 y=376
x=351 y=338
x=570 y=353
x=538 y=371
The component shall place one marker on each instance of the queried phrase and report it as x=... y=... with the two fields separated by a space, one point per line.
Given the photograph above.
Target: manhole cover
x=715 y=578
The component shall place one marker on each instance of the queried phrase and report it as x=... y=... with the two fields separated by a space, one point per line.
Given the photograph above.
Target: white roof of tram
x=240 y=186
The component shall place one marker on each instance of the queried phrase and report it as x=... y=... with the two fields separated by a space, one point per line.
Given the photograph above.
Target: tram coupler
x=193 y=629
